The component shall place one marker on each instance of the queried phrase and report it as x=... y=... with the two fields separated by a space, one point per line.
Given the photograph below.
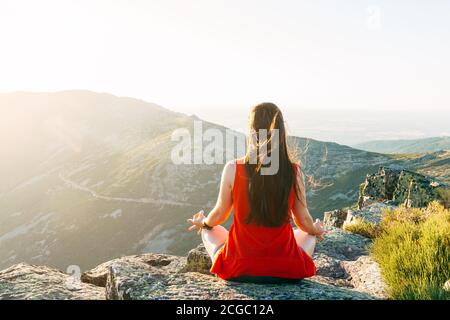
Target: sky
x=217 y=55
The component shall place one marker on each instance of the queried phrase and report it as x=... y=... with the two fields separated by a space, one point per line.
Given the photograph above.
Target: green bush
x=444 y=194
x=413 y=250
x=362 y=227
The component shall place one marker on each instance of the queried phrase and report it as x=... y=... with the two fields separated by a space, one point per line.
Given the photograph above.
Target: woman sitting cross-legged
x=261 y=244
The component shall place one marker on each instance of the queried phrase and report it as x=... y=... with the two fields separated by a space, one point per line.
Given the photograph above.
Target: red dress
x=252 y=250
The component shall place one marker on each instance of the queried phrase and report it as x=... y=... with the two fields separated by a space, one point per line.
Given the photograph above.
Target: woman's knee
x=305 y=241
x=214 y=239
x=219 y=229
x=309 y=244
x=300 y=235
x=215 y=236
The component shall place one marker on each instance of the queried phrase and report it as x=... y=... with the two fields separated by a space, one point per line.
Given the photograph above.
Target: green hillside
x=406 y=146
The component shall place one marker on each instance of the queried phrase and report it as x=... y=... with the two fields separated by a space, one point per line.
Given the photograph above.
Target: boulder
x=371 y=212
x=198 y=260
x=415 y=190
x=342 y=245
x=29 y=282
x=334 y=218
x=99 y=274
x=365 y=276
x=329 y=267
x=400 y=186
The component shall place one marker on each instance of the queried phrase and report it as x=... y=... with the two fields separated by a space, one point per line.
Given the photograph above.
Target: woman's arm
x=221 y=211
x=300 y=213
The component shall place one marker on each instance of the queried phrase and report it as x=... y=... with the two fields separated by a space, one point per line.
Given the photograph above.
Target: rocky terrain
x=400 y=186
x=345 y=271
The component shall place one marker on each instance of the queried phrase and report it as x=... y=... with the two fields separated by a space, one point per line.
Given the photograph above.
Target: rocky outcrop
x=334 y=218
x=99 y=275
x=401 y=187
x=387 y=189
x=344 y=271
x=198 y=260
x=24 y=281
x=143 y=282
x=371 y=212
x=343 y=245
x=365 y=275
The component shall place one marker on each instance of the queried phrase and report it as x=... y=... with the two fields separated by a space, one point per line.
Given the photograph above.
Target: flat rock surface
x=365 y=276
x=343 y=245
x=140 y=282
x=344 y=271
x=99 y=274
x=370 y=213
x=24 y=281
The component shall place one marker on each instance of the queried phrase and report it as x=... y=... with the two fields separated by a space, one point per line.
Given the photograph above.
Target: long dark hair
x=269 y=194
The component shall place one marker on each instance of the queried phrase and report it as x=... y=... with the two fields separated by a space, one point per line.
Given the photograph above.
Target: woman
x=261 y=243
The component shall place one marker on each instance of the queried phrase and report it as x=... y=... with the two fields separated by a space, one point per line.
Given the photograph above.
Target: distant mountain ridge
x=88 y=177
x=406 y=146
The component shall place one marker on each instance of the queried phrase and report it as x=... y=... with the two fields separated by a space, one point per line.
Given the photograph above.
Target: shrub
x=444 y=194
x=403 y=214
x=413 y=250
x=362 y=227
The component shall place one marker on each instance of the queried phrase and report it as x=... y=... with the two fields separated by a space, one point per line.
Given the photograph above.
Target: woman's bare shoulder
x=229 y=171
x=230 y=166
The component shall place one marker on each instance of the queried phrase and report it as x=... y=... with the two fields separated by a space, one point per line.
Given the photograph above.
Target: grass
x=413 y=250
x=362 y=227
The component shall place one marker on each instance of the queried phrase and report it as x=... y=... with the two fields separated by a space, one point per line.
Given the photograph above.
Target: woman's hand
x=197 y=221
x=320 y=231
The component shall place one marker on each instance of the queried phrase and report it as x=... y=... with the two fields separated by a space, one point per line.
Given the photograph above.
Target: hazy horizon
x=345 y=126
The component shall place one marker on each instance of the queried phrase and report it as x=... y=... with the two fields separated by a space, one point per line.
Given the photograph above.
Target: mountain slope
x=406 y=146
x=89 y=177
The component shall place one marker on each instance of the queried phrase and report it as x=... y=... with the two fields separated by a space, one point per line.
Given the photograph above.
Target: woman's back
x=265 y=189
x=253 y=250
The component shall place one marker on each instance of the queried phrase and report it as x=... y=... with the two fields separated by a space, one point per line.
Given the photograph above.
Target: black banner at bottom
x=213 y=309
